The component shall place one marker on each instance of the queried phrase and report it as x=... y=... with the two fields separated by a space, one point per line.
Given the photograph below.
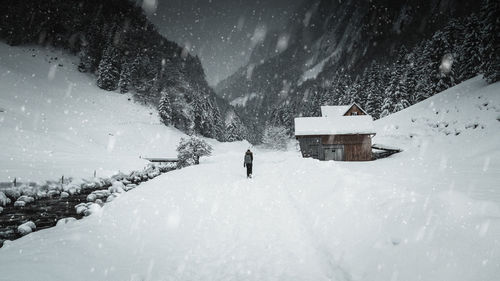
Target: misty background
x=220 y=32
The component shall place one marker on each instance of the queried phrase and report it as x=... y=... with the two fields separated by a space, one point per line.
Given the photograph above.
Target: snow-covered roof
x=340 y=125
x=335 y=110
x=338 y=110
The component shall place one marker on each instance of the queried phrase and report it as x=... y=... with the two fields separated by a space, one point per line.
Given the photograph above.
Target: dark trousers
x=249 y=170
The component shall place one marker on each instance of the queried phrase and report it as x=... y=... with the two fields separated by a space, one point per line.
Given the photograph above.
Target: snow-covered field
x=54 y=121
x=431 y=212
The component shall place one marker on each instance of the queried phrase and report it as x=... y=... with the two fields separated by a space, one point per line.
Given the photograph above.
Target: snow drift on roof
x=340 y=125
x=333 y=111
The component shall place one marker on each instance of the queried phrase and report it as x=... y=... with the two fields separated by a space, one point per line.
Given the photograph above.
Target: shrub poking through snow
x=190 y=150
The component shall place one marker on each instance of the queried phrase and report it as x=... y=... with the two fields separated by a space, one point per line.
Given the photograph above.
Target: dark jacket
x=246 y=158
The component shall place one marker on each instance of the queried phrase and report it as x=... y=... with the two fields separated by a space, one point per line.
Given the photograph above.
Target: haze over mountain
x=221 y=32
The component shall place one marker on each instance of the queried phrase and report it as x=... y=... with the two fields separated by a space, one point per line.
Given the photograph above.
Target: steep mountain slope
x=428 y=213
x=327 y=37
x=116 y=42
x=54 y=121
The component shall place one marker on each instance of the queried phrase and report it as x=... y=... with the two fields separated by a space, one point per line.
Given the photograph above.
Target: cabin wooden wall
x=356 y=147
x=354 y=110
x=310 y=146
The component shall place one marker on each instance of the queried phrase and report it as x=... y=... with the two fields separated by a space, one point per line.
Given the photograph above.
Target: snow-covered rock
x=117 y=187
x=26 y=199
x=64 y=221
x=26 y=228
x=129 y=187
x=64 y=194
x=53 y=193
x=100 y=194
x=91 y=197
x=92 y=209
x=4 y=200
x=112 y=197
x=154 y=174
x=41 y=194
x=80 y=208
x=19 y=203
x=73 y=190
x=87 y=208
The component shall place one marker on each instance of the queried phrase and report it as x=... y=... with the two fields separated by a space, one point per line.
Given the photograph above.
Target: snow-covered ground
x=431 y=212
x=54 y=121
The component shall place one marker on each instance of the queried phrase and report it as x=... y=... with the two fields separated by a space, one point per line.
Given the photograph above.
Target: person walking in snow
x=247 y=162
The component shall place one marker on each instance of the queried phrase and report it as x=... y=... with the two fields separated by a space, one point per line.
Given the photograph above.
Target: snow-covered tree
x=234 y=129
x=190 y=150
x=125 y=78
x=469 y=58
x=375 y=87
x=108 y=72
x=165 y=108
x=275 y=137
x=490 y=25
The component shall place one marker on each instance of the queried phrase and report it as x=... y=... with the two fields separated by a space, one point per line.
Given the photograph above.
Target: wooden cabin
x=342 y=133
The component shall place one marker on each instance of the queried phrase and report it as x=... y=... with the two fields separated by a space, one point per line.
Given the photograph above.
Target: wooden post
x=94 y=173
x=62 y=180
x=15 y=182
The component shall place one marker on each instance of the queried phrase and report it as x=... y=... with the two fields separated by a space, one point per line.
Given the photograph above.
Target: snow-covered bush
x=190 y=150
x=275 y=137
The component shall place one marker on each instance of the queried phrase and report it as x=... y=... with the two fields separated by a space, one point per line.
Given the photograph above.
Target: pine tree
x=234 y=130
x=375 y=87
x=490 y=25
x=469 y=58
x=86 y=61
x=108 y=72
x=396 y=92
x=343 y=86
x=125 y=78
x=165 y=108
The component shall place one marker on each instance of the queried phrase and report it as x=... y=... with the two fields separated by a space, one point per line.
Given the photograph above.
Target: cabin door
x=335 y=153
